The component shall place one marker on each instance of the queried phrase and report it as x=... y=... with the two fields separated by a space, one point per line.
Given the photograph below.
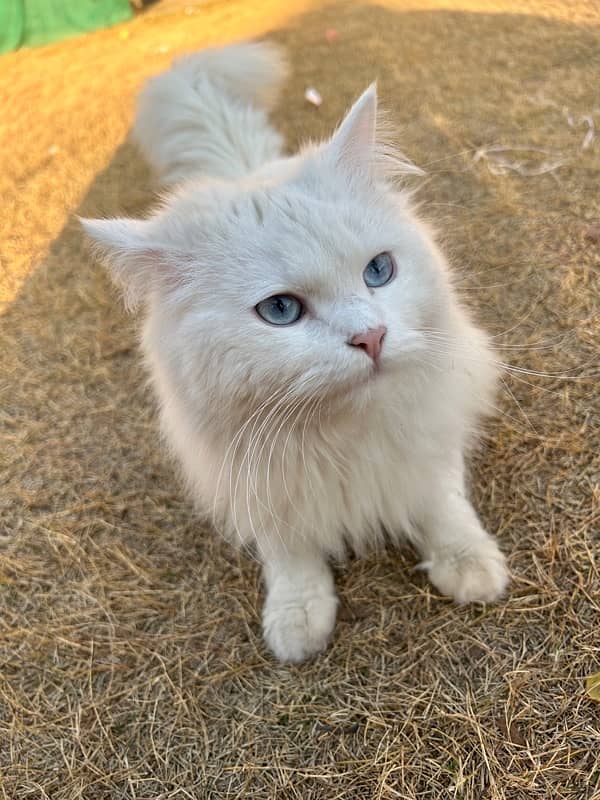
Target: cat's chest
x=358 y=460
x=350 y=487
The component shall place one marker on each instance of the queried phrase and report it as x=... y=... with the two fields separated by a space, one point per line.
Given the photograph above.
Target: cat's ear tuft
x=364 y=143
x=353 y=144
x=126 y=247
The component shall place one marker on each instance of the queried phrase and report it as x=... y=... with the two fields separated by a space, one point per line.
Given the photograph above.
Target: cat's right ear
x=352 y=146
x=130 y=252
x=362 y=143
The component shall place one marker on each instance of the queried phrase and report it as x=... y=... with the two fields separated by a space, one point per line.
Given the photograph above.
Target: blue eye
x=379 y=271
x=280 y=309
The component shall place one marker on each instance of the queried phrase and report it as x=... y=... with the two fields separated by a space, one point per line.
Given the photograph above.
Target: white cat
x=318 y=378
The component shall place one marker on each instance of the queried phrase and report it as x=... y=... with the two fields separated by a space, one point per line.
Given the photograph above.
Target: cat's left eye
x=280 y=309
x=379 y=271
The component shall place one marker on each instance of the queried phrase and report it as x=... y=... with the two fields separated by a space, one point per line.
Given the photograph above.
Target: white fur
x=206 y=115
x=286 y=435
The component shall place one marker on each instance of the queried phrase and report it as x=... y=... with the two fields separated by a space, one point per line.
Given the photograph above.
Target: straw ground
x=131 y=659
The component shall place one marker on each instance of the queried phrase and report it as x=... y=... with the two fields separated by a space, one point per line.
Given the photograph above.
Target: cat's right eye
x=280 y=309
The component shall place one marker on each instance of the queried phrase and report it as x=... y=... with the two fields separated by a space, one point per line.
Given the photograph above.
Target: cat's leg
x=462 y=559
x=300 y=607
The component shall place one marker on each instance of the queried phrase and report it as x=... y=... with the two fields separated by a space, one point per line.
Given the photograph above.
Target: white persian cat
x=318 y=378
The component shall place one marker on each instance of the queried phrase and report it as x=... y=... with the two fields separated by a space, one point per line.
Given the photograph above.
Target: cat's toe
x=296 y=630
x=477 y=574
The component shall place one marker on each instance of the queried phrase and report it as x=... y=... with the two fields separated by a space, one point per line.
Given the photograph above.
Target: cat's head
x=310 y=278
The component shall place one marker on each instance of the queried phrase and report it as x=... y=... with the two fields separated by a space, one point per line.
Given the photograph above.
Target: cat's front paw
x=476 y=573
x=296 y=628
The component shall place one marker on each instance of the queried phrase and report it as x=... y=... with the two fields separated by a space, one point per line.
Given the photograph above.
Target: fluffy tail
x=206 y=115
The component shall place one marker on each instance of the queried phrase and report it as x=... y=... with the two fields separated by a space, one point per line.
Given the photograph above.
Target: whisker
x=254 y=434
x=234 y=444
x=270 y=437
x=464 y=350
x=543 y=344
x=295 y=407
x=519 y=406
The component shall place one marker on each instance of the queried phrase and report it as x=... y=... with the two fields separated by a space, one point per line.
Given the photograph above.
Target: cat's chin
x=356 y=388
x=368 y=379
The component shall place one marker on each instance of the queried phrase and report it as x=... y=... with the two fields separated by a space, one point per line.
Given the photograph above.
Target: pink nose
x=370 y=341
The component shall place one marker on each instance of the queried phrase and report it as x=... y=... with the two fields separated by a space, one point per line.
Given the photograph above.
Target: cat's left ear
x=353 y=144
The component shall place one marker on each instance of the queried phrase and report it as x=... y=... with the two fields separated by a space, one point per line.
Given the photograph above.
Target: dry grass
x=131 y=659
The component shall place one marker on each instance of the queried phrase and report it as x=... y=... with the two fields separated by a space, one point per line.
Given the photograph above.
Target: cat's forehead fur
x=316 y=226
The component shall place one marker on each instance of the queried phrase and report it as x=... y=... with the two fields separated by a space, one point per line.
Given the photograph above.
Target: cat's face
x=313 y=281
